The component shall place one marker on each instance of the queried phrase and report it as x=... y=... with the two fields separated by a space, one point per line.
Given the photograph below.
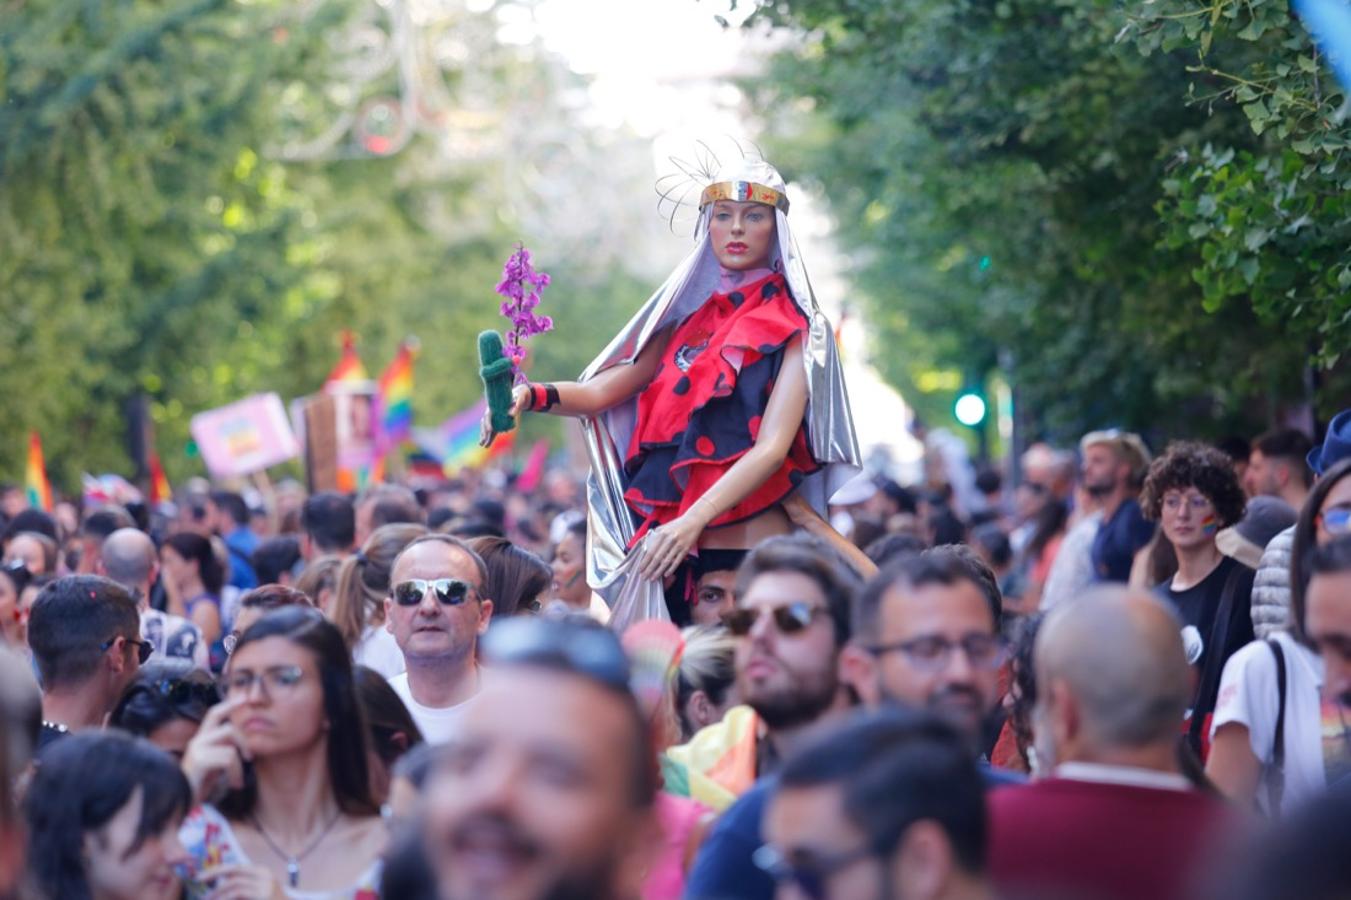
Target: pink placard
x=244 y=437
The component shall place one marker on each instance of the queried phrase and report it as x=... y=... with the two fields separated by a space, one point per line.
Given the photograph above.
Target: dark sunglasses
x=790 y=618
x=584 y=648
x=811 y=879
x=449 y=591
x=144 y=649
x=181 y=692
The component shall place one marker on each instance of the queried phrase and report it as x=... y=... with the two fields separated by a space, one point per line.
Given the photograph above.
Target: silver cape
x=830 y=425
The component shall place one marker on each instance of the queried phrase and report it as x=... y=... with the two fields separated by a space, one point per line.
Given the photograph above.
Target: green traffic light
x=970 y=410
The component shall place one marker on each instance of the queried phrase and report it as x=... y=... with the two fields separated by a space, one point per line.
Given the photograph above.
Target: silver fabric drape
x=830 y=425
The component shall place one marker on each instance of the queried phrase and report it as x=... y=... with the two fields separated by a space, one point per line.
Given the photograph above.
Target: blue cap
x=1336 y=445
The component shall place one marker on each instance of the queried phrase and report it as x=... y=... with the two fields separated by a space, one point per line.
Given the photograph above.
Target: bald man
x=1113 y=816
x=128 y=556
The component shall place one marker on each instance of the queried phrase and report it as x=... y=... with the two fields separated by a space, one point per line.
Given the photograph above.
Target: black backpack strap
x=1276 y=774
x=1214 y=649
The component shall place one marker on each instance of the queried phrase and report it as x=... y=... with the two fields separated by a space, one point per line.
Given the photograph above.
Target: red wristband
x=538 y=398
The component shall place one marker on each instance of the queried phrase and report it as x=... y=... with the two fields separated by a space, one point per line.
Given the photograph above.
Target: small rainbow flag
x=349 y=367
x=455 y=441
x=160 y=491
x=394 y=401
x=37 y=487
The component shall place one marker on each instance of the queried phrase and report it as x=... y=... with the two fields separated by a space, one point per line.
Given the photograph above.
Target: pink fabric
x=679 y=817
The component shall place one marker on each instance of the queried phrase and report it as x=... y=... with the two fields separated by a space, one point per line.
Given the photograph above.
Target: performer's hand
x=800 y=512
x=520 y=402
x=666 y=547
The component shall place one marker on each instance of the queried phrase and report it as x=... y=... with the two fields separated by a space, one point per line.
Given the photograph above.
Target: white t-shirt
x=378 y=650
x=438 y=725
x=1315 y=738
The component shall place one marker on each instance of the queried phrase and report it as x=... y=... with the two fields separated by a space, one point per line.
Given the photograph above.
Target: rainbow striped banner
x=455 y=441
x=394 y=401
x=36 y=485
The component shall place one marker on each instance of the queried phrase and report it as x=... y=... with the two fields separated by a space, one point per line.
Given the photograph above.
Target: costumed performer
x=721 y=398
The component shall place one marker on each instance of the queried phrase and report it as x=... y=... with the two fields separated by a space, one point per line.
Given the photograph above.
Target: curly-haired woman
x=1193 y=493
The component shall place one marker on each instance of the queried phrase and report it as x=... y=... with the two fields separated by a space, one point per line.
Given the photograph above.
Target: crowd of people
x=1106 y=673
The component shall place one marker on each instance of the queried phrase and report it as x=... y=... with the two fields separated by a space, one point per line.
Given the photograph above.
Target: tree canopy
x=1133 y=211
x=161 y=236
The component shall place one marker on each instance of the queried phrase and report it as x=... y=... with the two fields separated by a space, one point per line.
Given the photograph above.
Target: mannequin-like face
x=742 y=234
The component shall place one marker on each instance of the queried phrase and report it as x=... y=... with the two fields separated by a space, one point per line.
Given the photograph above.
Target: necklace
x=293 y=861
x=55 y=726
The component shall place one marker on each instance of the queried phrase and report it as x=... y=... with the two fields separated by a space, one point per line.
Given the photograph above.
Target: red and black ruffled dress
x=702 y=410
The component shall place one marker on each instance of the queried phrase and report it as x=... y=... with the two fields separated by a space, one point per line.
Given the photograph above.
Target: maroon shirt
x=1060 y=838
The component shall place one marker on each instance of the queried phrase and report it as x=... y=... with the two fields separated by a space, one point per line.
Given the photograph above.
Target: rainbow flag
x=455 y=441
x=394 y=401
x=37 y=487
x=160 y=491
x=717 y=765
x=349 y=367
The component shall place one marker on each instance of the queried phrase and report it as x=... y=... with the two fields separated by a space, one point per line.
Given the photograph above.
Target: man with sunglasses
x=927 y=636
x=85 y=635
x=436 y=611
x=792 y=618
x=548 y=787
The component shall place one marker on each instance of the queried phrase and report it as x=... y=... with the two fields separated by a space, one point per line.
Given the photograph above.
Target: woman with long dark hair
x=193 y=578
x=282 y=770
x=389 y=725
x=103 y=814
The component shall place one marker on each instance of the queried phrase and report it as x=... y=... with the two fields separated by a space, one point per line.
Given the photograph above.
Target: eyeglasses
x=144 y=649
x=582 y=647
x=932 y=653
x=449 y=591
x=1336 y=520
x=274 y=679
x=809 y=876
x=790 y=618
x=1196 y=502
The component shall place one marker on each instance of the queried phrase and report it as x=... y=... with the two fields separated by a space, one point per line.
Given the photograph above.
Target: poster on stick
x=244 y=437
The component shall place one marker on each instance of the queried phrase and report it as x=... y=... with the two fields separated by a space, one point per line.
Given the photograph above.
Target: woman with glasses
x=166 y=704
x=1193 y=493
x=1277 y=740
x=358 y=607
x=282 y=771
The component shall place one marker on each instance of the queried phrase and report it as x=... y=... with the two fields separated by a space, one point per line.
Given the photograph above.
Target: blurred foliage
x=152 y=241
x=1021 y=183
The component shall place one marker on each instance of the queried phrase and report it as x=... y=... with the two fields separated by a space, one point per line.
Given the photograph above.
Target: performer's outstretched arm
x=585 y=398
x=668 y=545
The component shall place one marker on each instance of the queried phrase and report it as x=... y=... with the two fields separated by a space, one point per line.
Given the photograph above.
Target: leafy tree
x=1005 y=168
x=156 y=241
